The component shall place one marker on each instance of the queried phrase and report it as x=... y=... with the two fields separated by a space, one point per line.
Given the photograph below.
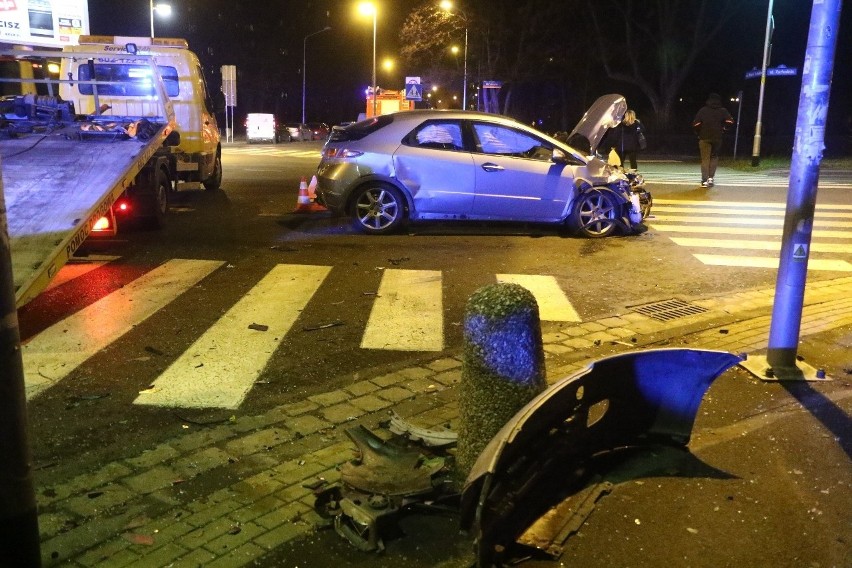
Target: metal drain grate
x=667 y=310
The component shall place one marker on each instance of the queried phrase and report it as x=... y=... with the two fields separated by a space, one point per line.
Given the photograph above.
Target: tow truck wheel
x=156 y=204
x=214 y=182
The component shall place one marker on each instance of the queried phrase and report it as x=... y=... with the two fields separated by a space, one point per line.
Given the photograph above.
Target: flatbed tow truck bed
x=56 y=187
x=62 y=172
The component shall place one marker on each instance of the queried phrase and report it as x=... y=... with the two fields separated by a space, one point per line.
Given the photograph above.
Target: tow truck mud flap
x=547 y=450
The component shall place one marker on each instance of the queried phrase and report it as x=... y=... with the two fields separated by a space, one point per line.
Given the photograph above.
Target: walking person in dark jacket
x=627 y=138
x=710 y=124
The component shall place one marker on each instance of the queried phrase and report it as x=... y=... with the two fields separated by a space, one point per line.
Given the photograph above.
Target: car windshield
x=128 y=80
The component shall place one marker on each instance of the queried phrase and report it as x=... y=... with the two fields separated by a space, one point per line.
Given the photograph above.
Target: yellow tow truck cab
x=198 y=154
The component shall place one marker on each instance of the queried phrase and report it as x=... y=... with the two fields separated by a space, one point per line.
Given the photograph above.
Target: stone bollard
x=503 y=366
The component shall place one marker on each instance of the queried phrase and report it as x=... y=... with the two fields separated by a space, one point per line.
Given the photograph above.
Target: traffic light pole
x=19 y=536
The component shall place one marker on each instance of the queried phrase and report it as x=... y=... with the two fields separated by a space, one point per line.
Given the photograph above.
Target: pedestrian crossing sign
x=414 y=92
x=800 y=252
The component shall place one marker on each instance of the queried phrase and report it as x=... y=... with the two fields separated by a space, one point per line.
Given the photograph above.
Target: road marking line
x=553 y=305
x=407 y=314
x=769 y=232
x=219 y=369
x=820 y=213
x=51 y=355
x=769 y=262
x=759 y=204
x=756 y=245
x=747 y=221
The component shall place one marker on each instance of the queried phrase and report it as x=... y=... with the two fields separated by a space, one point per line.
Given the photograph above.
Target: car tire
x=154 y=204
x=595 y=214
x=378 y=209
x=214 y=182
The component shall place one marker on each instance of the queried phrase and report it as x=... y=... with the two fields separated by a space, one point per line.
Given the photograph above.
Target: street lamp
x=304 y=73
x=755 y=150
x=447 y=6
x=369 y=9
x=164 y=10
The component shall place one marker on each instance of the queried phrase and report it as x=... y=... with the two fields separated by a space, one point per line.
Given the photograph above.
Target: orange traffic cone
x=312 y=189
x=304 y=203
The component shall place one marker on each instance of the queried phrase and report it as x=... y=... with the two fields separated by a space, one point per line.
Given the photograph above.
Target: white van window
x=135 y=79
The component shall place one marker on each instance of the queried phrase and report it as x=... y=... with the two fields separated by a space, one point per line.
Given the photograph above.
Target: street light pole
x=370 y=8
x=447 y=6
x=755 y=151
x=163 y=9
x=464 y=89
x=304 y=72
x=375 y=106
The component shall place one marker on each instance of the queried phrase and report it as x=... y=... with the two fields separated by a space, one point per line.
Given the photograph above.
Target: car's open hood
x=605 y=113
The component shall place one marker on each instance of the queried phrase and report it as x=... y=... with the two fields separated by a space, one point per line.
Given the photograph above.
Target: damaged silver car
x=465 y=165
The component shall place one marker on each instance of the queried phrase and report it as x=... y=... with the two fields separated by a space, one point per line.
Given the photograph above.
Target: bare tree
x=653 y=44
x=514 y=42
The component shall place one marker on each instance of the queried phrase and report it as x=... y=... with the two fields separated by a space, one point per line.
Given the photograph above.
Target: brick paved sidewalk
x=225 y=495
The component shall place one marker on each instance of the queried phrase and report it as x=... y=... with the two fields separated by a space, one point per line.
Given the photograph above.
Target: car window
x=359 y=130
x=443 y=135
x=505 y=141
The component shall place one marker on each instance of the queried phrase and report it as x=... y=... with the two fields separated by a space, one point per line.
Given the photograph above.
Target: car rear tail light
x=101 y=225
x=340 y=153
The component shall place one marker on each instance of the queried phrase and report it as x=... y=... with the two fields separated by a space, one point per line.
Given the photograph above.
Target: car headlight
x=615 y=177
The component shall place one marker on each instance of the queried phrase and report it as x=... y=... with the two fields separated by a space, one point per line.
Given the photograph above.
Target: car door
x=515 y=176
x=437 y=169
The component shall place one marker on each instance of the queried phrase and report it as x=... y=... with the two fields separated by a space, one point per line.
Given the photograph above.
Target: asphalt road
x=237 y=239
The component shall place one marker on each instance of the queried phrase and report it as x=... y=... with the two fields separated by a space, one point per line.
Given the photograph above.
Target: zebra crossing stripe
x=219 y=369
x=766 y=232
x=692 y=211
x=407 y=314
x=770 y=262
x=553 y=305
x=740 y=204
x=742 y=244
x=54 y=353
x=748 y=221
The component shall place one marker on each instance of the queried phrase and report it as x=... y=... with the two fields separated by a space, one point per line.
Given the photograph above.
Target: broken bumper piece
x=548 y=449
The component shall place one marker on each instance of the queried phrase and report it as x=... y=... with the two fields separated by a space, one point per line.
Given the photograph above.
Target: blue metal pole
x=804 y=177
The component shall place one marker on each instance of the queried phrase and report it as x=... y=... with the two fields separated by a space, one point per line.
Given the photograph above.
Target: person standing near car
x=627 y=139
x=710 y=124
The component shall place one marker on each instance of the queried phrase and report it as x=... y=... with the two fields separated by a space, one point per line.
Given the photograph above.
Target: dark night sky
x=269 y=47
x=264 y=38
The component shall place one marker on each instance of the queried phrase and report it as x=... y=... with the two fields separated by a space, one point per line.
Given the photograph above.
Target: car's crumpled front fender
x=631 y=400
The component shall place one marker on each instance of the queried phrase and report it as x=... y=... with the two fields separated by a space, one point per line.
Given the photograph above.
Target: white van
x=260 y=127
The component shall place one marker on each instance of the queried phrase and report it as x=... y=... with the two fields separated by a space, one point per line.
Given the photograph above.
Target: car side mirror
x=559 y=156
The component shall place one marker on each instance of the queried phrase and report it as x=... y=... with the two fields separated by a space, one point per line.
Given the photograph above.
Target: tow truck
x=128 y=122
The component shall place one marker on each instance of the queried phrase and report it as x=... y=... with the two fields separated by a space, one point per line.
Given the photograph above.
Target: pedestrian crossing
x=219 y=369
x=54 y=353
x=680 y=173
x=753 y=229
x=294 y=151
x=268 y=311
